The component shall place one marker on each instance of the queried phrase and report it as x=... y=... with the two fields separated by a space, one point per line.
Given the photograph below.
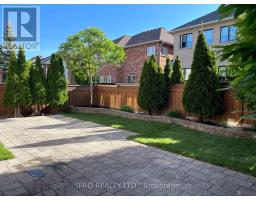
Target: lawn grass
x=4 y=153
x=233 y=153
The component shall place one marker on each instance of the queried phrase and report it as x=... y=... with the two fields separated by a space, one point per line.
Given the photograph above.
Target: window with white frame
x=151 y=51
x=186 y=40
x=131 y=78
x=101 y=79
x=164 y=51
x=109 y=79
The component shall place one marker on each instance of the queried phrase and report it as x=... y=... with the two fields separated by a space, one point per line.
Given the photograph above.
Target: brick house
x=216 y=31
x=138 y=48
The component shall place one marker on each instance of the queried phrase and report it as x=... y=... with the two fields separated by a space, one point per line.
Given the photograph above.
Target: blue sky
x=59 y=21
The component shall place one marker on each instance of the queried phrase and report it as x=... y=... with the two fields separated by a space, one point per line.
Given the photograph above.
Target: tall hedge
x=38 y=84
x=56 y=83
x=11 y=88
x=177 y=76
x=152 y=87
x=24 y=98
x=167 y=71
x=201 y=95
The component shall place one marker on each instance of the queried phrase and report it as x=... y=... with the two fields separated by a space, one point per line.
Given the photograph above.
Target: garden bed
x=218 y=130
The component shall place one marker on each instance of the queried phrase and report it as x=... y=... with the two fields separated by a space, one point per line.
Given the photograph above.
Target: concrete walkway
x=56 y=155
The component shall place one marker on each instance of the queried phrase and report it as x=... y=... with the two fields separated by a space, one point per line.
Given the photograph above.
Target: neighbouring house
x=46 y=64
x=216 y=31
x=138 y=48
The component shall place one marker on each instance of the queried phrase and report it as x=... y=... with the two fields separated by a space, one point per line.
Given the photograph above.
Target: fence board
x=115 y=96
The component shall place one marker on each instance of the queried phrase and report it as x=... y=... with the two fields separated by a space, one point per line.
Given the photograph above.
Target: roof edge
x=211 y=22
x=147 y=43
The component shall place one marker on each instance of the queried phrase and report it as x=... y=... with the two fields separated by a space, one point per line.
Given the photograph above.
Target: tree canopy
x=88 y=50
x=242 y=53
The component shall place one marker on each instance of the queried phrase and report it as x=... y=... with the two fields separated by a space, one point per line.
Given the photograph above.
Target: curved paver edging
x=183 y=122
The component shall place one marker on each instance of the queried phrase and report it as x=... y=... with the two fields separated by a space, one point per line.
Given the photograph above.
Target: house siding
x=186 y=54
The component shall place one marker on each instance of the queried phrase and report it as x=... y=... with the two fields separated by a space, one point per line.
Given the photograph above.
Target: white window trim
x=151 y=51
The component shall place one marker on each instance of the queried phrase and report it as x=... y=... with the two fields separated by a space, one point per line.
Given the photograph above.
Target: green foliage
x=175 y=114
x=17 y=93
x=23 y=68
x=177 y=76
x=126 y=108
x=56 y=82
x=152 y=90
x=86 y=51
x=167 y=71
x=200 y=93
x=37 y=83
x=11 y=88
x=5 y=53
x=241 y=53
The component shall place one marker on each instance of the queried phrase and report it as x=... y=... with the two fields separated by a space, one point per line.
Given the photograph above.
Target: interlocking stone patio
x=56 y=155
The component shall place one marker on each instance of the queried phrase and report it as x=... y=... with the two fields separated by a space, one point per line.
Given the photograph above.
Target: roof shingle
x=213 y=16
x=159 y=34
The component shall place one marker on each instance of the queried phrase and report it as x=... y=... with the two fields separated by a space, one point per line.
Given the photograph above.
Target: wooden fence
x=3 y=111
x=114 y=96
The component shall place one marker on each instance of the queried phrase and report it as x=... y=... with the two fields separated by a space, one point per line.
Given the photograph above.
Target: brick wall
x=135 y=58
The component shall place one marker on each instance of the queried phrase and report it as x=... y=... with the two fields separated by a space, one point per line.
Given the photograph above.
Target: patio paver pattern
x=57 y=155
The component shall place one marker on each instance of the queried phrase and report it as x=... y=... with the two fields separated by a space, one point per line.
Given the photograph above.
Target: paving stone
x=190 y=188
x=21 y=191
x=245 y=192
x=218 y=191
x=231 y=187
x=89 y=152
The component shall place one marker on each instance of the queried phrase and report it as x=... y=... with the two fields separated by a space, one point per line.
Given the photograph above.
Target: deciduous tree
x=88 y=50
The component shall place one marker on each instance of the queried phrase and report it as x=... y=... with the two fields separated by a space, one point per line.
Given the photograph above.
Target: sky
x=57 y=22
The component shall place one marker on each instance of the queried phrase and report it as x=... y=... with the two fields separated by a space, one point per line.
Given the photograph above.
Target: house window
x=151 y=51
x=228 y=33
x=109 y=79
x=131 y=78
x=186 y=40
x=209 y=36
x=164 y=51
x=223 y=71
x=101 y=79
x=187 y=72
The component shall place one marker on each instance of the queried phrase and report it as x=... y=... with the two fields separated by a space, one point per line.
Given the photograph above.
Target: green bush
x=152 y=90
x=175 y=114
x=201 y=93
x=177 y=76
x=126 y=108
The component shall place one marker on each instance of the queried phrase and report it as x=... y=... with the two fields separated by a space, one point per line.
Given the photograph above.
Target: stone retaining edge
x=229 y=132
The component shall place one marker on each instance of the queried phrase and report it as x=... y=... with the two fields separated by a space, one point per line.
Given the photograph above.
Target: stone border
x=230 y=132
